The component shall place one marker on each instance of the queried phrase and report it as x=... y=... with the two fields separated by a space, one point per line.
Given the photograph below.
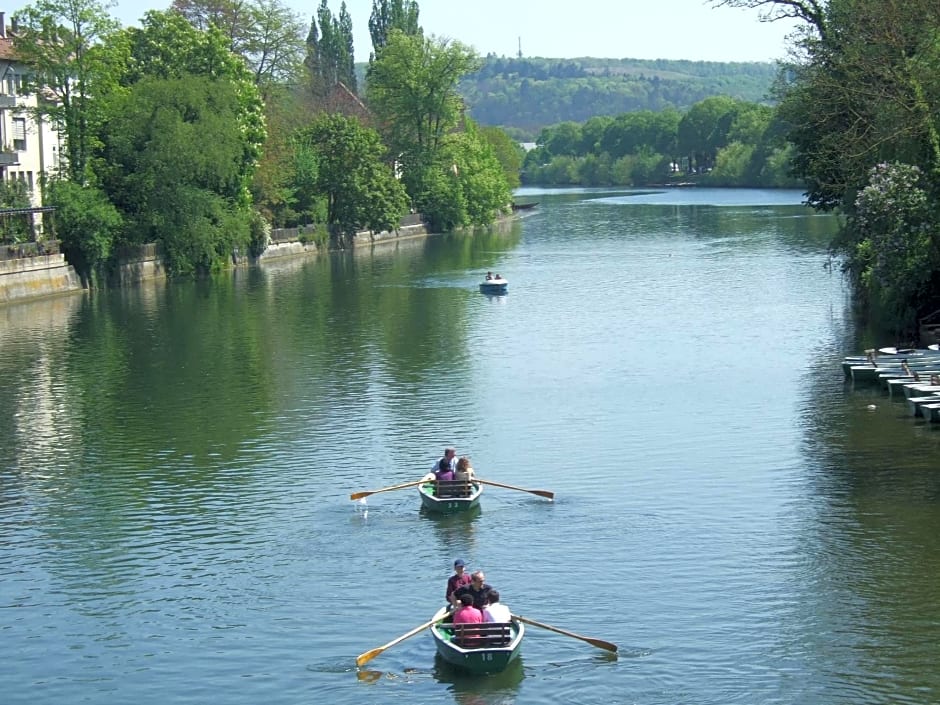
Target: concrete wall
x=34 y=277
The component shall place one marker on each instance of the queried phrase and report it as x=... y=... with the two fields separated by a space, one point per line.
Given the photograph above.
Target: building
x=29 y=145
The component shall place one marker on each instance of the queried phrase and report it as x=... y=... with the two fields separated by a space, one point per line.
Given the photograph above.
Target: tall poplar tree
x=330 y=53
x=392 y=14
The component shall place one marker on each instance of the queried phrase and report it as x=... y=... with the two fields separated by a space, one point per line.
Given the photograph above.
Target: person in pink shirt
x=467 y=614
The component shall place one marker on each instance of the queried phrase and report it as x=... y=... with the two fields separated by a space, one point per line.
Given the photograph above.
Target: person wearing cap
x=457 y=580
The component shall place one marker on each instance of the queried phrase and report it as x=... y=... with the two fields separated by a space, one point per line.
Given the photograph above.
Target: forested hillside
x=528 y=94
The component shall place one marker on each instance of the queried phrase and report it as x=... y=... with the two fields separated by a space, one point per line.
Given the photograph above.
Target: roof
x=6 y=48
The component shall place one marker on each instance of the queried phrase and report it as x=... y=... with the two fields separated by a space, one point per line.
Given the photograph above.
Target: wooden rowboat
x=477 y=648
x=450 y=496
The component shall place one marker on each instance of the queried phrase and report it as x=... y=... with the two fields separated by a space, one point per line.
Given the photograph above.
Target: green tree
x=267 y=34
x=174 y=161
x=86 y=223
x=14 y=194
x=330 y=56
x=60 y=40
x=167 y=46
x=388 y=15
x=704 y=129
x=507 y=152
x=361 y=190
x=412 y=89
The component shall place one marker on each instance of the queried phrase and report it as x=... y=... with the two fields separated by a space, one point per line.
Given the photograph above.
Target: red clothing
x=454 y=582
x=467 y=615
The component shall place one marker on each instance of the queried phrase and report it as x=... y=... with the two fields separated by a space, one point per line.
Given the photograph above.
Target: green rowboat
x=477 y=648
x=450 y=496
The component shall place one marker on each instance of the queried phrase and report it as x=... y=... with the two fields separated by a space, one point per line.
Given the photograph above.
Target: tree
x=507 y=152
x=811 y=11
x=86 y=223
x=59 y=41
x=167 y=46
x=174 y=161
x=412 y=88
x=330 y=57
x=265 y=33
x=388 y=15
x=703 y=130
x=361 y=190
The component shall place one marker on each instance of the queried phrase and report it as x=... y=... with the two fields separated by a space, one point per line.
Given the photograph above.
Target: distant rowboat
x=450 y=496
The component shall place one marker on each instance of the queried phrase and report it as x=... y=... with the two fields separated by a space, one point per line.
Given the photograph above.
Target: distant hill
x=531 y=93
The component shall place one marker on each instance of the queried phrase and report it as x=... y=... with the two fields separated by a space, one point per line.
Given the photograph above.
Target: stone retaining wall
x=34 y=277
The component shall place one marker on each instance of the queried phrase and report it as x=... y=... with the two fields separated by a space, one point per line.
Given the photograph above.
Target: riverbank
x=26 y=277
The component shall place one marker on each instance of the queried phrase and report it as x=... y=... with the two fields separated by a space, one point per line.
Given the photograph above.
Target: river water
x=177 y=463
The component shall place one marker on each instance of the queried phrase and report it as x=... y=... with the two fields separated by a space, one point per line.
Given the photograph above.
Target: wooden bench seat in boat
x=485 y=635
x=452 y=488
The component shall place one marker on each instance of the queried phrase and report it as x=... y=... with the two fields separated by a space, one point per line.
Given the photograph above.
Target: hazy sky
x=636 y=29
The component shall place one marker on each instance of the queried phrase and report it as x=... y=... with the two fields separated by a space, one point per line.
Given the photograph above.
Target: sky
x=618 y=29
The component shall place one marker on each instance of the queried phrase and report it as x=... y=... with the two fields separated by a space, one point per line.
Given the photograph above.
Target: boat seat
x=452 y=488
x=487 y=634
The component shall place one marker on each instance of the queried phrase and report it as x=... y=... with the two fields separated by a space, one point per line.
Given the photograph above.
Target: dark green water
x=177 y=463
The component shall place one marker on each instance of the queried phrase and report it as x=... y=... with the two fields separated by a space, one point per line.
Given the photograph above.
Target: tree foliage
x=267 y=34
x=330 y=53
x=388 y=15
x=412 y=88
x=60 y=40
x=360 y=188
x=174 y=161
x=862 y=106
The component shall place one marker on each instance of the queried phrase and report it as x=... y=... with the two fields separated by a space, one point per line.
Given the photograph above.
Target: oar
x=369 y=655
x=599 y=643
x=541 y=493
x=360 y=495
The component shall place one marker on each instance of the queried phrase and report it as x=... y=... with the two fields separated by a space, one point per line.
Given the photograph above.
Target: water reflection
x=454 y=532
x=467 y=689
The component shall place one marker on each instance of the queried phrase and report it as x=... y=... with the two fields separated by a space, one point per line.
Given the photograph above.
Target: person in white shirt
x=496 y=611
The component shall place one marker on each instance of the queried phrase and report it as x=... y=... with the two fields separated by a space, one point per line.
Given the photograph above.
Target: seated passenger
x=467 y=614
x=495 y=611
x=464 y=470
x=445 y=467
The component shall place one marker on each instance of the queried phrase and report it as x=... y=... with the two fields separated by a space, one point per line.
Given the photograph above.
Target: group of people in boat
x=490 y=276
x=449 y=467
x=473 y=600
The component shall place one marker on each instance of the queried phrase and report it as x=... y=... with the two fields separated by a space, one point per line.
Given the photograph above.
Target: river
x=174 y=483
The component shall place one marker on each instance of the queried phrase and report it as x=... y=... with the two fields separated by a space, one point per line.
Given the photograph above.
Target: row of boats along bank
x=911 y=375
x=489 y=647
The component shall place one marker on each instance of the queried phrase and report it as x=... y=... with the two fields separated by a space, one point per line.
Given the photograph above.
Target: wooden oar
x=599 y=643
x=360 y=495
x=369 y=655
x=541 y=493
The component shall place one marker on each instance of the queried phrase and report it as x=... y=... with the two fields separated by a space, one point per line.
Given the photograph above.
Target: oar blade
x=368 y=656
x=601 y=644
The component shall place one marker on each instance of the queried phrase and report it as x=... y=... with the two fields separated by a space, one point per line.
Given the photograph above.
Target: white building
x=29 y=146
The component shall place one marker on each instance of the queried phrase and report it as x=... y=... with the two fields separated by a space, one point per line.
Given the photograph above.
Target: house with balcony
x=29 y=146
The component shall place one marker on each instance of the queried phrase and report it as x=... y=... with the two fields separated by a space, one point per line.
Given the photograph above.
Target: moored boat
x=477 y=648
x=450 y=496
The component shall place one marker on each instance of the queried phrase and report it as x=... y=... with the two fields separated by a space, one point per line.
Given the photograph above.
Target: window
x=19 y=134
